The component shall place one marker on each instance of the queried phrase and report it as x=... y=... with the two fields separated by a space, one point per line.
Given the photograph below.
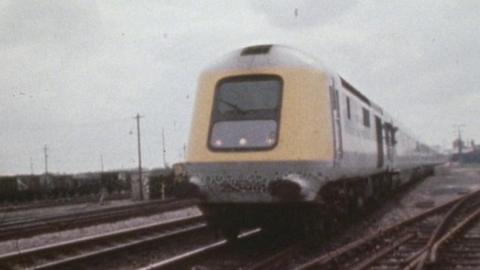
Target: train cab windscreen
x=246 y=113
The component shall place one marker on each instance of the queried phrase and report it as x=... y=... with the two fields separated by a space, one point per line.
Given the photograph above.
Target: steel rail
x=178 y=261
x=420 y=258
x=52 y=203
x=461 y=226
x=430 y=253
x=378 y=256
x=274 y=261
x=75 y=220
x=368 y=240
x=416 y=260
x=147 y=234
x=76 y=214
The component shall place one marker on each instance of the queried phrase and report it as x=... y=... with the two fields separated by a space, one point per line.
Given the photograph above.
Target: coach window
x=348 y=108
x=366 y=117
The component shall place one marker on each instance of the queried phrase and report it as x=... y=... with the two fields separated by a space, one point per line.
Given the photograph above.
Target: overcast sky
x=73 y=74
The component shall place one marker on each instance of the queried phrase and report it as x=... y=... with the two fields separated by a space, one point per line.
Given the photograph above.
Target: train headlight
x=218 y=142
x=242 y=141
x=270 y=141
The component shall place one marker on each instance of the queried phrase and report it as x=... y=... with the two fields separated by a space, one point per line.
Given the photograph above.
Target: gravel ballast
x=448 y=183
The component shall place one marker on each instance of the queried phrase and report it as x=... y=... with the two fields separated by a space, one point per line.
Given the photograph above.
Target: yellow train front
x=266 y=138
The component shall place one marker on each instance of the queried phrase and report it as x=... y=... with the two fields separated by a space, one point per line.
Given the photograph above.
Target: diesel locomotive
x=278 y=136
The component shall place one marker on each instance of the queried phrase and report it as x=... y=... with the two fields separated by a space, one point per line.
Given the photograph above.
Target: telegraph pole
x=184 y=151
x=31 y=166
x=45 y=156
x=460 y=146
x=101 y=162
x=139 y=156
x=163 y=149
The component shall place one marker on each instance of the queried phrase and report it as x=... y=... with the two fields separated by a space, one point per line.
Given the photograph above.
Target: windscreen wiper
x=233 y=106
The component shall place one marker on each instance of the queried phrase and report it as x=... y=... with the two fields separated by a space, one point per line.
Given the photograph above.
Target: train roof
x=281 y=56
x=274 y=55
x=269 y=55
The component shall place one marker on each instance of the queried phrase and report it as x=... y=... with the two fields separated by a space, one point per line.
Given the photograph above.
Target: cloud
x=75 y=73
x=301 y=14
x=27 y=22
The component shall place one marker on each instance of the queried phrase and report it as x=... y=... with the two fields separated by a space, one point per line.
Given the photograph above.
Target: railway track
x=252 y=254
x=254 y=250
x=71 y=254
x=458 y=248
x=65 y=201
x=278 y=259
x=410 y=244
x=430 y=240
x=194 y=257
x=30 y=227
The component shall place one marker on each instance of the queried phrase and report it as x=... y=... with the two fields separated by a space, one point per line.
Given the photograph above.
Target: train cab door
x=379 y=132
x=337 y=125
